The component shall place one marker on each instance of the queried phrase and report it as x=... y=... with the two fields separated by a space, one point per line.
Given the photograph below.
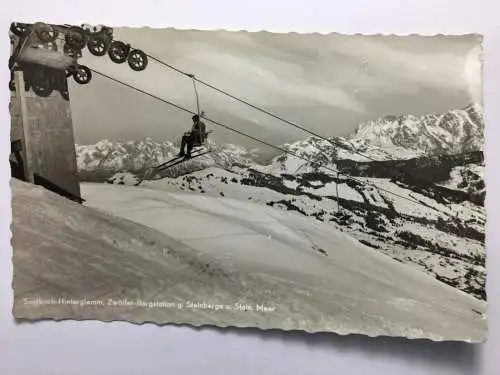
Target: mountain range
x=409 y=187
x=453 y=132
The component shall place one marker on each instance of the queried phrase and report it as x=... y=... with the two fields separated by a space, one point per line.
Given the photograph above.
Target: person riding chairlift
x=195 y=137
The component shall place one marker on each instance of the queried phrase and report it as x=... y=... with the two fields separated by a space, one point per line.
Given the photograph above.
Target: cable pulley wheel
x=82 y=74
x=118 y=52
x=137 y=60
x=21 y=30
x=98 y=45
x=75 y=38
x=45 y=32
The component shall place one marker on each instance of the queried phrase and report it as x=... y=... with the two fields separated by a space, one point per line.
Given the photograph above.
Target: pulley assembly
x=58 y=47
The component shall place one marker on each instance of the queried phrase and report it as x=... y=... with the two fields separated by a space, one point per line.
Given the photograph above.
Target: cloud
x=473 y=66
x=268 y=80
x=399 y=68
x=314 y=78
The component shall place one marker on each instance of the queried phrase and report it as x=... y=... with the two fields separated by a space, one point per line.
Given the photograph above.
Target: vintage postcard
x=324 y=183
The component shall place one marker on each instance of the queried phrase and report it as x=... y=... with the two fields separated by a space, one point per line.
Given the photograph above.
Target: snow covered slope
x=409 y=199
x=315 y=278
x=468 y=178
x=436 y=229
x=436 y=224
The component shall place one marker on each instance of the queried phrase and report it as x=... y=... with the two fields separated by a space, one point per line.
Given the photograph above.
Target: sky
x=328 y=83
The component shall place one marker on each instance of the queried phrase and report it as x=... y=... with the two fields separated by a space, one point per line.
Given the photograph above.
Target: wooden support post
x=25 y=125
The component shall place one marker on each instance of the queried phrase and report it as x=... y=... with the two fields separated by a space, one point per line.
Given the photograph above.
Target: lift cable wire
x=332 y=142
x=267 y=143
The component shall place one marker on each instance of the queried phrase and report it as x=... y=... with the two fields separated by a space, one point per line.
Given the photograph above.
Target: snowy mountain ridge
x=129 y=155
x=453 y=132
x=106 y=158
x=389 y=138
x=313 y=152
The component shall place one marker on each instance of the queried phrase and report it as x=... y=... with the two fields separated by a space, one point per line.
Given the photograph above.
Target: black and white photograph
x=312 y=182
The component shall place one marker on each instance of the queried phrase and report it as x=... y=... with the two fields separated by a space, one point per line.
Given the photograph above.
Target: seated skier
x=195 y=137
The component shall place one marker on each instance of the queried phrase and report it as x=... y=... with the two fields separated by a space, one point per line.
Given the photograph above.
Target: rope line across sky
x=295 y=125
x=267 y=143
